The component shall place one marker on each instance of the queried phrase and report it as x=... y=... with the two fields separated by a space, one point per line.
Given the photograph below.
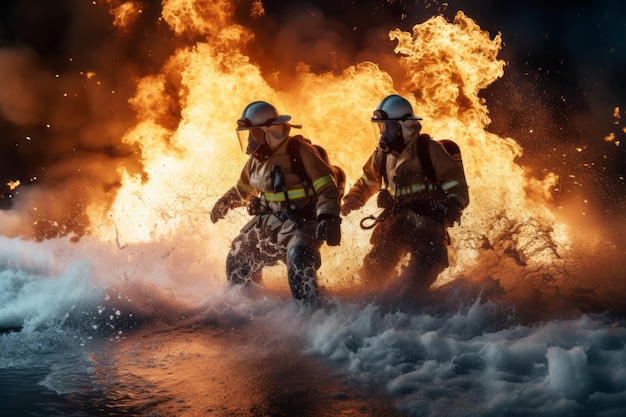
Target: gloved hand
x=329 y=229
x=384 y=199
x=350 y=202
x=220 y=209
x=449 y=210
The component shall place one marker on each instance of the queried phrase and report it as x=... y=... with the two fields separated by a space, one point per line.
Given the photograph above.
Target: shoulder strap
x=293 y=148
x=423 y=153
x=383 y=172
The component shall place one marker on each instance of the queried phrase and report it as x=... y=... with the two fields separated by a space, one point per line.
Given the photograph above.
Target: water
x=112 y=335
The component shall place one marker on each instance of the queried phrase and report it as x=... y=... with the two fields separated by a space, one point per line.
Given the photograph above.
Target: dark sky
x=564 y=76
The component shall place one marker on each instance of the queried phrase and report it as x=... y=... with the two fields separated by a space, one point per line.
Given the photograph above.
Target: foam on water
x=447 y=357
x=457 y=364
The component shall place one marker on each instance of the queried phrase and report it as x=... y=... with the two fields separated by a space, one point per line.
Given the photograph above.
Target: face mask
x=256 y=145
x=389 y=132
x=256 y=138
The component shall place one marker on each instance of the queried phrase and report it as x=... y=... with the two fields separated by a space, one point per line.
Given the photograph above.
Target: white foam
x=447 y=365
x=462 y=359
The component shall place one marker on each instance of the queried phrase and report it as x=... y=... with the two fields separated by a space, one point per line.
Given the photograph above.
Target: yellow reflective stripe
x=447 y=185
x=414 y=188
x=245 y=187
x=297 y=193
x=292 y=194
x=322 y=181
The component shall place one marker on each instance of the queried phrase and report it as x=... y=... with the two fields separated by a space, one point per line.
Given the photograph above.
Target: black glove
x=254 y=206
x=449 y=210
x=220 y=209
x=384 y=199
x=329 y=229
x=350 y=202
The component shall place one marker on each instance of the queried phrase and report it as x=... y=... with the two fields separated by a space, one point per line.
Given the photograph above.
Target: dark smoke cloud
x=67 y=75
x=562 y=82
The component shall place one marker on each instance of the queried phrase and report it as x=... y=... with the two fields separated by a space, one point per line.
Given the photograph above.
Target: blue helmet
x=394 y=108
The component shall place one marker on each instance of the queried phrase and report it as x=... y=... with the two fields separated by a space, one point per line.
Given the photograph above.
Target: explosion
x=185 y=119
x=189 y=164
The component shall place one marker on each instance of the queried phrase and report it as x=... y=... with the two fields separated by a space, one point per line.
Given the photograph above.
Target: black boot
x=303 y=263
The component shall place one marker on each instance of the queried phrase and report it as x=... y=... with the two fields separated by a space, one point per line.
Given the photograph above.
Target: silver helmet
x=394 y=108
x=260 y=128
x=260 y=113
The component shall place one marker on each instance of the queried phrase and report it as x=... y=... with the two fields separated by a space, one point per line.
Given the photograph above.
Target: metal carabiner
x=370 y=226
x=374 y=219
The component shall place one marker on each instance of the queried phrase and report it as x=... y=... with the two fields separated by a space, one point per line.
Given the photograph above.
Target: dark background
x=563 y=79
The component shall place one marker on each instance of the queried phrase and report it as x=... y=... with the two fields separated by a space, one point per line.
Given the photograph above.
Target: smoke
x=67 y=78
x=69 y=69
x=72 y=70
x=561 y=96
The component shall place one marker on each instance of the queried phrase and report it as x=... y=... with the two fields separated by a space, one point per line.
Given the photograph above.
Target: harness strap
x=383 y=172
x=293 y=149
x=423 y=153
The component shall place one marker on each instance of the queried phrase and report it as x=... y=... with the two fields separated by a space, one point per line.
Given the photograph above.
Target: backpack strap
x=423 y=153
x=383 y=172
x=293 y=148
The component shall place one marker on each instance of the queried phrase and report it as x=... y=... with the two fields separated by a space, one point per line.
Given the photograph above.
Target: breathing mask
x=252 y=142
x=265 y=127
x=390 y=136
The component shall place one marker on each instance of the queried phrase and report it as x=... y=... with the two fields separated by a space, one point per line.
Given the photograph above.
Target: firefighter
x=422 y=191
x=292 y=217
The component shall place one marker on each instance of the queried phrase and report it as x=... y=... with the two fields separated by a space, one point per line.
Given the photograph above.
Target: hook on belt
x=374 y=220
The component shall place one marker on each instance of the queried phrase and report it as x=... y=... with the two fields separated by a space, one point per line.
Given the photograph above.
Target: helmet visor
x=250 y=140
x=385 y=133
x=390 y=131
x=245 y=124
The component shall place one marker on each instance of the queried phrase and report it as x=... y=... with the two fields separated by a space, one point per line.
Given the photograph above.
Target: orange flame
x=13 y=184
x=125 y=13
x=191 y=160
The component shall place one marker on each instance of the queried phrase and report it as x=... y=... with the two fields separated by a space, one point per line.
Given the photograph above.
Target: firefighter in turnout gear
x=422 y=191
x=293 y=216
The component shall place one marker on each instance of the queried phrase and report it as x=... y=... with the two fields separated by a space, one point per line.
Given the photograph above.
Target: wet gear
x=303 y=263
x=293 y=148
x=329 y=229
x=427 y=191
x=286 y=204
x=228 y=201
x=448 y=211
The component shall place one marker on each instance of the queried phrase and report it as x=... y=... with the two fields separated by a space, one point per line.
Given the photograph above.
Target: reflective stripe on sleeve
x=322 y=181
x=450 y=184
x=414 y=188
x=245 y=187
x=292 y=194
